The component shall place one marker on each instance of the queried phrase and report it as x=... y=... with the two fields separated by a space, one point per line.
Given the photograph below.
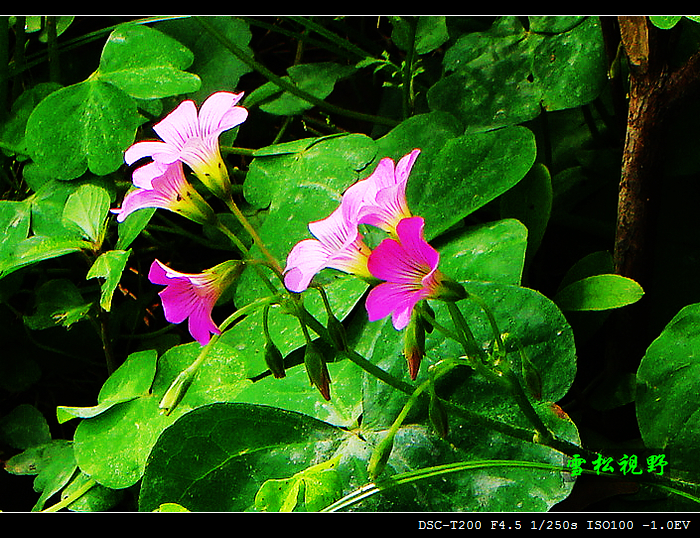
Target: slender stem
x=74 y=496
x=492 y=320
x=253 y=233
x=54 y=66
x=504 y=378
x=408 y=67
x=288 y=86
x=256 y=267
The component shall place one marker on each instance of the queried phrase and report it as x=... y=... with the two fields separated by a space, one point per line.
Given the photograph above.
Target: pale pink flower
x=193 y=139
x=381 y=197
x=169 y=191
x=338 y=245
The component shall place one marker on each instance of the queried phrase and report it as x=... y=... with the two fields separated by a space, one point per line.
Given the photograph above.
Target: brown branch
x=653 y=90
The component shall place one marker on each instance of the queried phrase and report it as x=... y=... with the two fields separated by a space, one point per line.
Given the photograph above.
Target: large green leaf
x=507 y=74
x=84 y=126
x=668 y=391
x=235 y=438
x=467 y=173
x=112 y=446
x=214 y=64
x=146 y=63
x=89 y=125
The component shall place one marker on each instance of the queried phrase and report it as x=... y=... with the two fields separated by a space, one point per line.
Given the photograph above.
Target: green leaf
x=113 y=446
x=109 y=266
x=146 y=63
x=37 y=248
x=52 y=462
x=84 y=126
x=431 y=32
x=214 y=64
x=235 y=438
x=665 y=22
x=58 y=303
x=24 y=427
x=317 y=79
x=131 y=380
x=14 y=226
x=530 y=201
x=668 y=392
x=506 y=75
x=320 y=485
x=599 y=292
x=132 y=226
x=467 y=173
x=87 y=209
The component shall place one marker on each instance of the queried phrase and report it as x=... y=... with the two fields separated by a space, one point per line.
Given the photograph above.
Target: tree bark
x=652 y=91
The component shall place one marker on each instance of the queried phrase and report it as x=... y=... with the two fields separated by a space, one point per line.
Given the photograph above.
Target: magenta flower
x=381 y=196
x=193 y=296
x=338 y=245
x=169 y=191
x=409 y=268
x=193 y=139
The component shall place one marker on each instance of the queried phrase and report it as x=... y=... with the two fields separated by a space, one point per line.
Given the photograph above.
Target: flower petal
x=180 y=125
x=392 y=298
x=161 y=150
x=306 y=259
x=219 y=113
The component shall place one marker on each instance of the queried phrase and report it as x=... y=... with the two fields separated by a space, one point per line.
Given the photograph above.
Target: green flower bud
x=274 y=360
x=336 y=331
x=450 y=290
x=380 y=456
x=414 y=344
x=438 y=416
x=317 y=371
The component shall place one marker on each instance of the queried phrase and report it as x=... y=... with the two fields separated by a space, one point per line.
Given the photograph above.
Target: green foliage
x=516 y=178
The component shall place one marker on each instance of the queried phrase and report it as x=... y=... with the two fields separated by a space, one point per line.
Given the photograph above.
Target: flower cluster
x=193 y=139
x=404 y=262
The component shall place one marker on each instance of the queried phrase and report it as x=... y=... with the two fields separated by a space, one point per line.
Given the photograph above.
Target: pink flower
x=169 y=191
x=192 y=139
x=193 y=296
x=382 y=195
x=409 y=268
x=338 y=245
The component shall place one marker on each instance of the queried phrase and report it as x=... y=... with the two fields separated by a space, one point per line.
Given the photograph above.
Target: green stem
x=492 y=321
x=70 y=499
x=253 y=233
x=246 y=253
x=288 y=86
x=51 y=38
x=408 y=68
x=505 y=378
x=330 y=36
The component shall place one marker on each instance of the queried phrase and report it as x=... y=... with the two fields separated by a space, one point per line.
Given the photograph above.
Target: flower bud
x=336 y=331
x=414 y=344
x=380 y=456
x=317 y=371
x=450 y=290
x=438 y=416
x=274 y=360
